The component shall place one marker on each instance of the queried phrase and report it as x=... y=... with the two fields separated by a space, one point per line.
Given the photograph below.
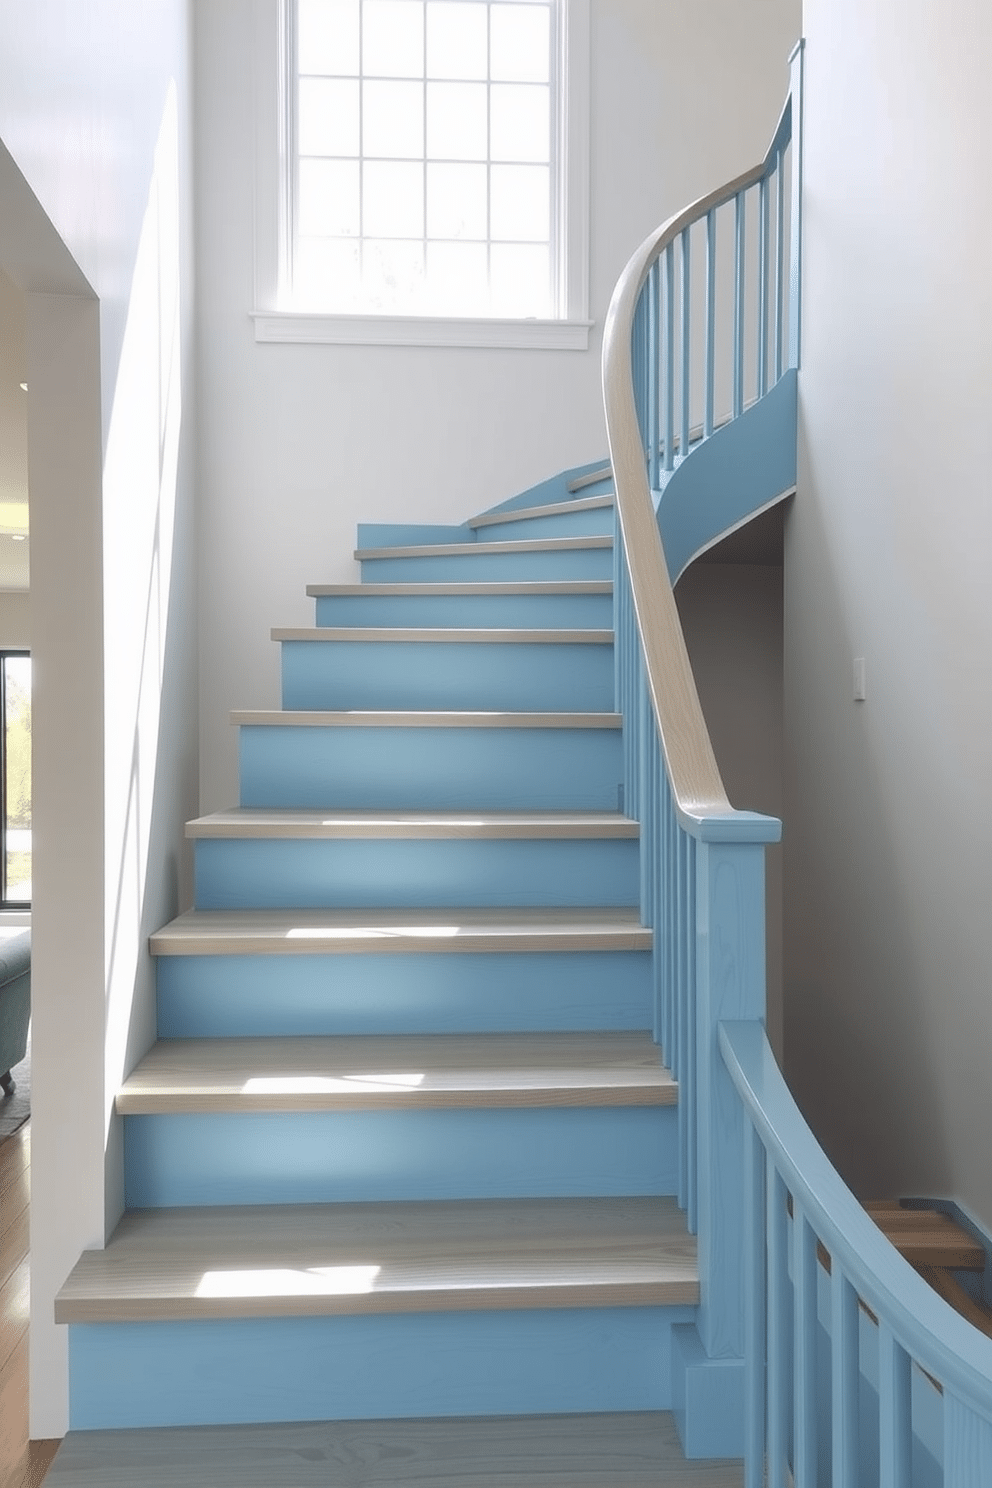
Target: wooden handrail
x=700 y=797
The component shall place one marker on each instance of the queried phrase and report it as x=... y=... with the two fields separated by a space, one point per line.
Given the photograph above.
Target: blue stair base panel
x=395 y=726
x=352 y=1368
x=282 y=996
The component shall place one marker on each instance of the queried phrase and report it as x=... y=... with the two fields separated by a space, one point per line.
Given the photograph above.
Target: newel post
x=730 y=984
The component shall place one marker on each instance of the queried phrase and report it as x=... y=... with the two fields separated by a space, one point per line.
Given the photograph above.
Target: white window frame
x=275 y=321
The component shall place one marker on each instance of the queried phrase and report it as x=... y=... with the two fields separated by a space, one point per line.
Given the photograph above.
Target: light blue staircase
x=405 y=1146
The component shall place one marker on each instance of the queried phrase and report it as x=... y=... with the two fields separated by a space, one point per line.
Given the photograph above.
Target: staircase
x=405 y=1147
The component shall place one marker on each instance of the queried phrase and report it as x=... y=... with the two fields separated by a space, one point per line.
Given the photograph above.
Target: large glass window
x=15 y=824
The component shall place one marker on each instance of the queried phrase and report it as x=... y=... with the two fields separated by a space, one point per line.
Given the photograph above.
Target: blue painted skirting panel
x=412 y=534
x=329 y=1156
x=431 y=769
x=730 y=476
x=260 y=873
x=471 y=611
x=485 y=565
x=341 y=1368
x=588 y=522
x=496 y=676
x=251 y=996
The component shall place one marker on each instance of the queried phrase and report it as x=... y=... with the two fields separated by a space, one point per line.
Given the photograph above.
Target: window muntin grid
x=425 y=165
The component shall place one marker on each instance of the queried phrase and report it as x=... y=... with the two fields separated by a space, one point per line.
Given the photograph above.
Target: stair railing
x=702 y=862
x=828 y=1294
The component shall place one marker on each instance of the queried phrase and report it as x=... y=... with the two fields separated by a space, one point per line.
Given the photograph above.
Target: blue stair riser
x=431 y=769
x=324 y=1157
x=485 y=566
x=256 y=996
x=468 y=611
x=361 y=1368
x=311 y=873
x=447 y=675
x=597 y=522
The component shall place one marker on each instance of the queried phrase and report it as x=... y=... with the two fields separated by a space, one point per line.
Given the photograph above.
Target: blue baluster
x=804 y=1349
x=754 y=1309
x=739 y=267
x=779 y=261
x=779 y=1361
x=895 y=1426
x=763 y=207
x=668 y=353
x=710 y=324
x=845 y=1379
x=686 y=333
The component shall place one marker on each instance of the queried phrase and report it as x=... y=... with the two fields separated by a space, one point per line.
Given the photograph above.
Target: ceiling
x=14 y=541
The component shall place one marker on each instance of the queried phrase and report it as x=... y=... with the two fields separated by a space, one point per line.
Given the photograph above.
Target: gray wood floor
x=610 y=1451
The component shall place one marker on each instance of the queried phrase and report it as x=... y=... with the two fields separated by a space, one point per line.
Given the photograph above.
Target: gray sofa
x=15 y=1004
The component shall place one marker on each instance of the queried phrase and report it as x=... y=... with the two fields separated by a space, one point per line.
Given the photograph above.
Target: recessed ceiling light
x=17 y=537
x=24 y=387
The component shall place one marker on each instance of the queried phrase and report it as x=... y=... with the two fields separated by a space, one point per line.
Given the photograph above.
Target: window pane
x=394 y=277
x=520 y=43
x=520 y=122
x=328 y=36
x=456 y=41
x=457 y=279
x=456 y=201
x=520 y=203
x=17 y=754
x=520 y=280
x=327 y=272
x=393 y=119
x=393 y=38
x=456 y=121
x=328 y=117
x=393 y=205
x=329 y=198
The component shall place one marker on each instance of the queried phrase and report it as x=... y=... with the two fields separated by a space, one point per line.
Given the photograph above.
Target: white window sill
x=291 y=326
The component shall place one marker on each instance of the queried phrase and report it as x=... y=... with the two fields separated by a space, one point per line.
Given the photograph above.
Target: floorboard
x=619 y=1451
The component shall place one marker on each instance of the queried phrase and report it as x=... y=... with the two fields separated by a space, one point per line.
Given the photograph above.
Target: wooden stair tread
x=273 y=823
x=926 y=1237
x=320 y=1073
x=551 y=509
x=625 y=1450
x=392 y=931
x=454 y=635
x=411 y=718
x=948 y=1287
x=466 y=587
x=320 y=1259
x=591 y=477
x=467 y=549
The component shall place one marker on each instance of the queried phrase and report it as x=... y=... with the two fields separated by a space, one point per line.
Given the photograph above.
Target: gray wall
x=300 y=443
x=888 y=1030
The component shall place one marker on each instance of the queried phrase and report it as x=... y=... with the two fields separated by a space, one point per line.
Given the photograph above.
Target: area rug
x=15 y=1109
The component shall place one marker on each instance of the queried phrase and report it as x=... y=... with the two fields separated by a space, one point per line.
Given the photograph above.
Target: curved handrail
x=697 y=786
x=941 y=1342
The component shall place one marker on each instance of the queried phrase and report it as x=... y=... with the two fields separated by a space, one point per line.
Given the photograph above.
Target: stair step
x=467 y=589
x=318 y=1260
x=550 y=509
x=440 y=760
x=926 y=1237
x=448 y=635
x=383 y=1073
x=309 y=932
x=474 y=549
x=242 y=822
x=624 y=1450
x=948 y=1287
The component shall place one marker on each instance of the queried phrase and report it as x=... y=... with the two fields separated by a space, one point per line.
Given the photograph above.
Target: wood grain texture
x=461 y=550
x=948 y=1287
x=398 y=931
x=245 y=822
x=349 y=1259
x=465 y=588
x=454 y=635
x=552 y=509
x=635 y=1450
x=277 y=718
x=927 y=1238
x=393 y=1073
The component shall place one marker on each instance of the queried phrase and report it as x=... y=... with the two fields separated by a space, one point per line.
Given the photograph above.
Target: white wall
x=95 y=229
x=299 y=443
x=889 y=935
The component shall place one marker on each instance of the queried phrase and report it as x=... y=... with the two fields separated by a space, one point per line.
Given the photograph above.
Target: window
x=15 y=779
x=433 y=172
